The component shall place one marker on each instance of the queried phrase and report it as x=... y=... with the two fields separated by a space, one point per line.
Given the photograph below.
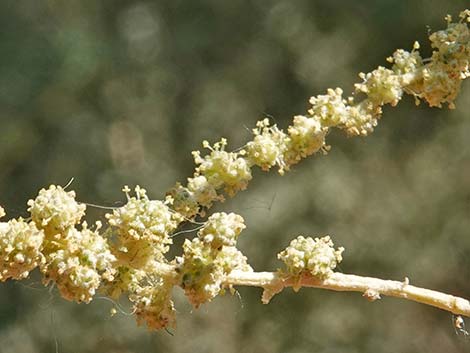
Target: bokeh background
x=119 y=92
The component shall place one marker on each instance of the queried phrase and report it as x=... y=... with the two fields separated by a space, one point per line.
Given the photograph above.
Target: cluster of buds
x=143 y=228
x=20 y=248
x=317 y=257
x=210 y=257
x=436 y=80
x=76 y=260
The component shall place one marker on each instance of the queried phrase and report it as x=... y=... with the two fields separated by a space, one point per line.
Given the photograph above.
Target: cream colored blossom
x=363 y=118
x=209 y=258
x=315 y=256
x=153 y=305
x=222 y=229
x=184 y=201
x=125 y=280
x=405 y=62
x=78 y=262
x=204 y=192
x=55 y=209
x=268 y=146
x=306 y=136
x=144 y=222
x=330 y=109
x=382 y=86
x=204 y=268
x=449 y=64
x=20 y=249
x=201 y=277
x=222 y=169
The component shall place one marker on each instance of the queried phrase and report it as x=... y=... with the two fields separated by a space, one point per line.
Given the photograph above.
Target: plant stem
x=372 y=288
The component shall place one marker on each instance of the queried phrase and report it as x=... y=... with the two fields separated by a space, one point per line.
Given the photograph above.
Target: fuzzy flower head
x=201 y=277
x=315 y=256
x=222 y=229
x=209 y=258
x=20 y=249
x=306 y=136
x=153 y=306
x=144 y=220
x=382 y=86
x=125 y=280
x=450 y=64
x=222 y=169
x=330 y=109
x=204 y=268
x=268 y=146
x=55 y=210
x=78 y=263
x=363 y=118
x=204 y=193
x=183 y=201
x=437 y=86
x=2 y=212
x=452 y=48
x=405 y=62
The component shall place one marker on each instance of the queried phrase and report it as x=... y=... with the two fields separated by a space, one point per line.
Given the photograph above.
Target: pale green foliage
x=315 y=256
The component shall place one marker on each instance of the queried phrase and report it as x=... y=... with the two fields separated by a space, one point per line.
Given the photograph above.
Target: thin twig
x=372 y=288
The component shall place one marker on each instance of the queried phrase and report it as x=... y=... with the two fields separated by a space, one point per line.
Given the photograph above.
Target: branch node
x=371 y=295
x=405 y=282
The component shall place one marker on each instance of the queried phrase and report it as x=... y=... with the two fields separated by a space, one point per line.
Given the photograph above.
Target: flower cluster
x=317 y=257
x=405 y=62
x=20 y=248
x=143 y=228
x=191 y=200
x=75 y=260
x=268 y=146
x=218 y=170
x=54 y=210
x=449 y=64
x=306 y=136
x=211 y=256
x=437 y=81
x=382 y=86
x=222 y=229
x=330 y=109
x=153 y=305
x=129 y=257
x=222 y=169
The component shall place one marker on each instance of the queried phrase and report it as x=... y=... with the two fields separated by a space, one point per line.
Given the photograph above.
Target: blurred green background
x=119 y=92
